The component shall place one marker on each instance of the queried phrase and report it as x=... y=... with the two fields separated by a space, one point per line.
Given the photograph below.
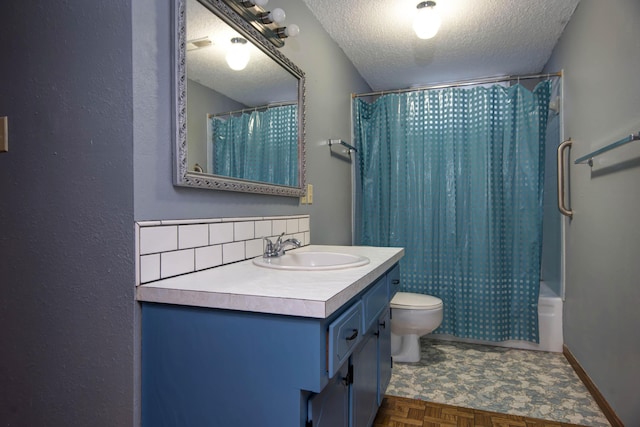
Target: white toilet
x=412 y=316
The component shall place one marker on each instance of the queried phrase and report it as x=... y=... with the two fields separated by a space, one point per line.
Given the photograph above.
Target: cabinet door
x=330 y=407
x=364 y=390
x=384 y=353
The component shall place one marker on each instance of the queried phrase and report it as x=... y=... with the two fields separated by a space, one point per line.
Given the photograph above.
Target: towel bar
x=589 y=157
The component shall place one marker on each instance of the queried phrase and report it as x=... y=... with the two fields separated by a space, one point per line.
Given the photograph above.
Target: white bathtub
x=549 y=325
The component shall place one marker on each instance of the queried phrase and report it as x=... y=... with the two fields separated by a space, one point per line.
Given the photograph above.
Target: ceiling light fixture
x=427 y=21
x=238 y=54
x=268 y=23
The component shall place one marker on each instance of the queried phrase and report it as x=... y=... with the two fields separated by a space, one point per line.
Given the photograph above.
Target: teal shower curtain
x=258 y=146
x=455 y=176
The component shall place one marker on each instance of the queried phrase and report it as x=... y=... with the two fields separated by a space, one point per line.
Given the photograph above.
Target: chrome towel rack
x=341 y=142
x=561 y=180
x=349 y=148
x=589 y=157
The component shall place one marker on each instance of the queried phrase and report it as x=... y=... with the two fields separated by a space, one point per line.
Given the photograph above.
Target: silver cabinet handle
x=561 y=162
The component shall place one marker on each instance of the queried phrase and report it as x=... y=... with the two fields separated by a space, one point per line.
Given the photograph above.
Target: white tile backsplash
x=177 y=262
x=158 y=239
x=304 y=224
x=239 y=219
x=232 y=252
x=243 y=230
x=149 y=268
x=189 y=221
x=293 y=225
x=253 y=248
x=208 y=256
x=193 y=236
x=263 y=229
x=279 y=226
x=220 y=233
x=166 y=248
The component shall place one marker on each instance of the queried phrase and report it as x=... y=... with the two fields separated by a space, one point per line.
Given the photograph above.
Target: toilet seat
x=413 y=301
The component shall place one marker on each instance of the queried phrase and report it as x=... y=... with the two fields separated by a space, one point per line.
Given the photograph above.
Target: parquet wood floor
x=404 y=412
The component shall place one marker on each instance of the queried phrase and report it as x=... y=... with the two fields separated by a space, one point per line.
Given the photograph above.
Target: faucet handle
x=273 y=249
x=268 y=244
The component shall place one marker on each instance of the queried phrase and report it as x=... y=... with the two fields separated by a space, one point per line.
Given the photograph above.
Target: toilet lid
x=408 y=300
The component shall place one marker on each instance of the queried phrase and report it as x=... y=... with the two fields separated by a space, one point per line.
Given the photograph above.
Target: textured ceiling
x=478 y=38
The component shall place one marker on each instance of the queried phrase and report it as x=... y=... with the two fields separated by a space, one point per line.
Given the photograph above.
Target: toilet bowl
x=412 y=316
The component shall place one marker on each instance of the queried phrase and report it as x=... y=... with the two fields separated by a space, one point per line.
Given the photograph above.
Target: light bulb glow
x=427 y=21
x=238 y=54
x=292 y=30
x=277 y=15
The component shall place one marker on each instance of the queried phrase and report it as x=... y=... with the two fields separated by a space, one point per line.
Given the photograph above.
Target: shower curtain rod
x=261 y=107
x=482 y=80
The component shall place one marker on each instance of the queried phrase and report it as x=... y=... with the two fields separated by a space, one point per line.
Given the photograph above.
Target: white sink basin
x=312 y=261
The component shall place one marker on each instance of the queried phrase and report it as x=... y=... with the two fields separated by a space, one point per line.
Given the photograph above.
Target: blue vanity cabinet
x=214 y=367
x=384 y=353
x=385 y=362
x=221 y=368
x=369 y=367
x=330 y=407
x=366 y=359
x=364 y=390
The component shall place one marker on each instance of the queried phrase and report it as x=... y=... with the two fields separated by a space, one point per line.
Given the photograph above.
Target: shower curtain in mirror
x=258 y=146
x=455 y=176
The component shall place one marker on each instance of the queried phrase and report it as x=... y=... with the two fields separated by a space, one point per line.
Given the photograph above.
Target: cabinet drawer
x=374 y=301
x=343 y=335
x=394 y=281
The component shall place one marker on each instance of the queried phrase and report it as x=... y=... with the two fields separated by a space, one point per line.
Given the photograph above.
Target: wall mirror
x=236 y=130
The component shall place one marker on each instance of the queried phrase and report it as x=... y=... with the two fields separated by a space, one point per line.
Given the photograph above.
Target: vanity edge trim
x=235 y=302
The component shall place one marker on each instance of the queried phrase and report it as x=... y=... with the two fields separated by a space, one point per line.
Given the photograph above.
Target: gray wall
x=330 y=79
x=599 y=53
x=66 y=214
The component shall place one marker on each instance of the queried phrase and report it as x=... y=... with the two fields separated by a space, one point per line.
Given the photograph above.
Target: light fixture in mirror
x=238 y=55
x=235 y=130
x=268 y=23
x=427 y=20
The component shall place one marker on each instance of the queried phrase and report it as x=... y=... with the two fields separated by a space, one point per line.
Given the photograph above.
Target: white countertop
x=247 y=287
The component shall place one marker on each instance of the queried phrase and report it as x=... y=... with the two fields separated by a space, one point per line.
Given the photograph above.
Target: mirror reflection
x=242 y=111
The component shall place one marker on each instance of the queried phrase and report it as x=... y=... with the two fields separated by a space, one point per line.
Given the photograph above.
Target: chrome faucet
x=276 y=249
